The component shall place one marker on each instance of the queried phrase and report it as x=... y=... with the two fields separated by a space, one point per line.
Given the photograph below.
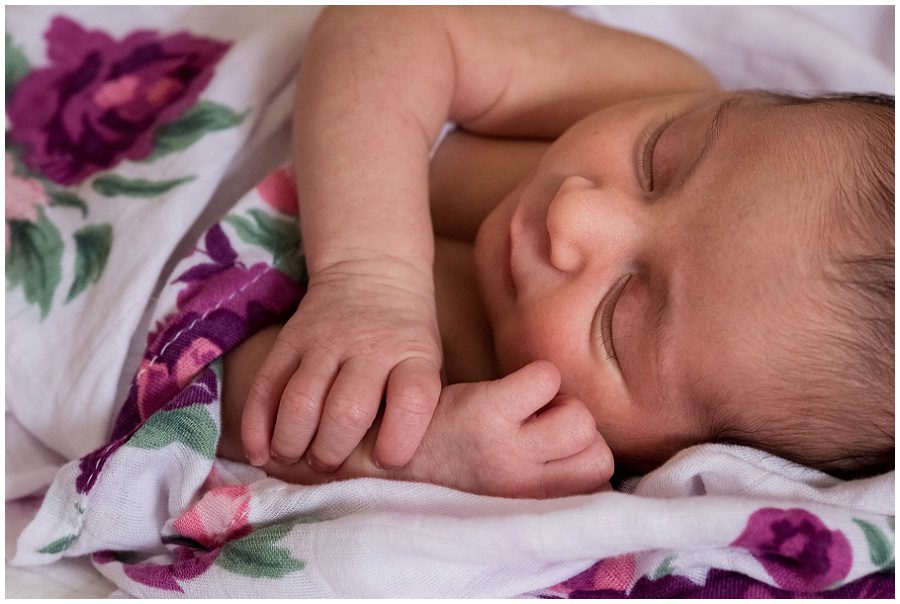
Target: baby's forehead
x=823 y=127
x=791 y=156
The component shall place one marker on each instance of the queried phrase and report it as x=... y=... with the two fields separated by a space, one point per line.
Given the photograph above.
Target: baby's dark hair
x=844 y=364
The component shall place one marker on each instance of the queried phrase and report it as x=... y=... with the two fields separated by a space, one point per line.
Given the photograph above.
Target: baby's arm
x=375 y=86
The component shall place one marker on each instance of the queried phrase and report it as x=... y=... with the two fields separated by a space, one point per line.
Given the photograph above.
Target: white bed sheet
x=67 y=578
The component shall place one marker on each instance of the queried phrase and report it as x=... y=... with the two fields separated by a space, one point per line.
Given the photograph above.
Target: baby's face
x=656 y=273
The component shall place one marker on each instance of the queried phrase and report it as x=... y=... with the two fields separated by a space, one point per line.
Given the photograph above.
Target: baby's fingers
x=413 y=390
x=301 y=407
x=258 y=418
x=585 y=472
x=519 y=394
x=567 y=427
x=350 y=409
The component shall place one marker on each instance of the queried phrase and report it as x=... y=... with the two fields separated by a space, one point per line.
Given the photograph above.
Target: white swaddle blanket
x=162 y=516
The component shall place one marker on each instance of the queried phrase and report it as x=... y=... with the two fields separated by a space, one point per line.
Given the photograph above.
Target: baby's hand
x=362 y=329
x=514 y=437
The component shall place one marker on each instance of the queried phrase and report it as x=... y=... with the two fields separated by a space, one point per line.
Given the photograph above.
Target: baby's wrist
x=414 y=263
x=395 y=271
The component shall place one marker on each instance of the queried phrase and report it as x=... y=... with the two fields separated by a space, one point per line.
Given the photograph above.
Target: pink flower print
x=153 y=384
x=200 y=353
x=116 y=93
x=279 y=190
x=615 y=573
x=219 y=516
x=213 y=480
x=23 y=197
x=796 y=548
x=608 y=574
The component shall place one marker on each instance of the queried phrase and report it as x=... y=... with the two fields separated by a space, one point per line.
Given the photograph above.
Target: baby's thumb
x=526 y=390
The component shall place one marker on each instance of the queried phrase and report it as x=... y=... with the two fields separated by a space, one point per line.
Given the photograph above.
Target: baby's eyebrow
x=711 y=136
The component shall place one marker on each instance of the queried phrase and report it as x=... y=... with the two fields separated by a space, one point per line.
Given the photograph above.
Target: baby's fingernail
x=317 y=465
x=384 y=466
x=285 y=461
x=255 y=460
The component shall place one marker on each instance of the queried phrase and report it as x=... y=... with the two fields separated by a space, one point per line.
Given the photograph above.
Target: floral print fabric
x=101 y=100
x=153 y=507
x=801 y=556
x=220 y=294
x=98 y=102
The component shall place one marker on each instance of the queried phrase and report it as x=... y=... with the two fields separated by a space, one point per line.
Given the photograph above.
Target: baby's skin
x=562 y=280
x=387 y=368
x=509 y=437
x=366 y=357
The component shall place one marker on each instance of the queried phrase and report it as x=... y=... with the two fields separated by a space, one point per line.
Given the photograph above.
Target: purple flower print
x=727 y=584
x=226 y=283
x=188 y=564
x=796 y=548
x=222 y=304
x=100 y=100
x=202 y=391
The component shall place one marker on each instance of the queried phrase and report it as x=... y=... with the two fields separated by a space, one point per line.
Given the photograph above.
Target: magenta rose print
x=101 y=101
x=796 y=548
x=222 y=302
x=721 y=584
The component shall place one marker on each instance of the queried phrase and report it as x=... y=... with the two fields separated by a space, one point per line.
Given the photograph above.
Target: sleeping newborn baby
x=625 y=261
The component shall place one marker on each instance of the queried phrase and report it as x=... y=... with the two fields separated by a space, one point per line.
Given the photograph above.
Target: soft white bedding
x=804 y=49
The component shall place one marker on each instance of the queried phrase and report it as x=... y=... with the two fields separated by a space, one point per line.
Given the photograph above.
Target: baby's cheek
x=530 y=335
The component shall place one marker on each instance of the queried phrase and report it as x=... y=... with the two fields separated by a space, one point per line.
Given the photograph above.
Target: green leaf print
x=60 y=545
x=881 y=549
x=257 y=555
x=664 y=569
x=34 y=260
x=202 y=118
x=92 y=245
x=17 y=66
x=69 y=200
x=193 y=426
x=279 y=236
x=113 y=185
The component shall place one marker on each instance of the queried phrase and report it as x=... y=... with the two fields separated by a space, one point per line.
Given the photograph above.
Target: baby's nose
x=589 y=224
